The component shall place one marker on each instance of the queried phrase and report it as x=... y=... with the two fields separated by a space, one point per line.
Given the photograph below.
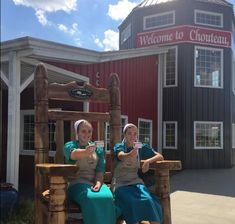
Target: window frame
x=222 y=67
x=175 y=147
x=208 y=147
x=156 y=15
x=125 y=117
x=22 y=150
x=125 y=32
x=151 y=129
x=176 y=69
x=208 y=13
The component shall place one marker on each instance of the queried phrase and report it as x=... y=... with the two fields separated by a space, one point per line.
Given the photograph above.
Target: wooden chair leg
x=163 y=191
x=57 y=213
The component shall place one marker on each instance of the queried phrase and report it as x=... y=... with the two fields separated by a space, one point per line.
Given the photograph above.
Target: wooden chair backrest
x=72 y=92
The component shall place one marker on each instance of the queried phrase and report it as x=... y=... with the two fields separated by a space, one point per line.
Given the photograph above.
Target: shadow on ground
x=207 y=181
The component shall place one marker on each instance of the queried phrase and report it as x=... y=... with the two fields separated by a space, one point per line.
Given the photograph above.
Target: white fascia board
x=65 y=56
x=132 y=53
x=56 y=69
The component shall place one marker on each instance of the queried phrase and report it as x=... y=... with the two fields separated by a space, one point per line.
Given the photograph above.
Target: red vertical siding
x=138 y=77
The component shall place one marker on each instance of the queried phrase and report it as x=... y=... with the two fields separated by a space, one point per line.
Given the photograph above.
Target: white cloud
x=110 y=41
x=78 y=42
x=121 y=9
x=70 y=31
x=42 y=7
x=49 y=6
x=41 y=17
x=63 y=28
x=98 y=42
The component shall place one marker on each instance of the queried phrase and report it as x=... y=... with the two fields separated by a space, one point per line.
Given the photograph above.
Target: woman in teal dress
x=131 y=195
x=86 y=187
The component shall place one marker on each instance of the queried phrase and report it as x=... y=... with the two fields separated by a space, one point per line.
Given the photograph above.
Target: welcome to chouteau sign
x=192 y=34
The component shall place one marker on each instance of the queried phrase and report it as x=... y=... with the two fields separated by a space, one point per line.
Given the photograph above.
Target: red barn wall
x=138 y=78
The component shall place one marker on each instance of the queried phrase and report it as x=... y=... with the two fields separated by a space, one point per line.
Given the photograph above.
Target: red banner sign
x=184 y=34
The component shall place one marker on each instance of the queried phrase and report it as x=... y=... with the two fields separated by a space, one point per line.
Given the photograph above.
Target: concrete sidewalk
x=203 y=196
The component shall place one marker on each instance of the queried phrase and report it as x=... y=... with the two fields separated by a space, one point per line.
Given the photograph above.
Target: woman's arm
x=124 y=155
x=82 y=153
x=156 y=157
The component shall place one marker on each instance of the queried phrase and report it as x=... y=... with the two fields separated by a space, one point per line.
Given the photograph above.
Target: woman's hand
x=90 y=149
x=133 y=152
x=145 y=166
x=96 y=187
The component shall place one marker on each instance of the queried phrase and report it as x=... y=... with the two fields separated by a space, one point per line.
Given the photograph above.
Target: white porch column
x=13 y=132
x=161 y=72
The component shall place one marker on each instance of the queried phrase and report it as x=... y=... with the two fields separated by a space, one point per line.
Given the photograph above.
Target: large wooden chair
x=51 y=179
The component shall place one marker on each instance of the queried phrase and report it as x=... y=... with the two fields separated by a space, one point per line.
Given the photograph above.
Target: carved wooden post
x=115 y=110
x=162 y=190
x=58 y=187
x=40 y=133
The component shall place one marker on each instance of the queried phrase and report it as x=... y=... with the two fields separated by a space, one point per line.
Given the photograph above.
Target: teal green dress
x=97 y=207
x=131 y=195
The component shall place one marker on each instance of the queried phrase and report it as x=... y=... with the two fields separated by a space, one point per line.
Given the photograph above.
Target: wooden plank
x=75 y=92
x=76 y=115
x=59 y=155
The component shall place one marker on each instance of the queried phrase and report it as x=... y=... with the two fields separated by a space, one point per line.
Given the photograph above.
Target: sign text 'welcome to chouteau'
x=191 y=34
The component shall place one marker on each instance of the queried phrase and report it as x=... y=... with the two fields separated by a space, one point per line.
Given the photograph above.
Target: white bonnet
x=76 y=124
x=128 y=126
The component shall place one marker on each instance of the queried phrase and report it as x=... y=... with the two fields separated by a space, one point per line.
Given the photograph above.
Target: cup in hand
x=99 y=144
x=138 y=145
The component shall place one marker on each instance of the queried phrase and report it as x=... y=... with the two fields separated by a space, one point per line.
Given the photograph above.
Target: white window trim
x=22 y=151
x=155 y=15
x=222 y=67
x=164 y=134
x=151 y=129
x=176 y=69
x=106 y=126
x=208 y=13
x=208 y=122
x=233 y=135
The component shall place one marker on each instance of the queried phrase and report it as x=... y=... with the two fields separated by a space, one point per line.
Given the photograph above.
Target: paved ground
x=203 y=197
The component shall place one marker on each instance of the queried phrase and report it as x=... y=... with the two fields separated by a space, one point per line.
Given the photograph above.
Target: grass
x=24 y=213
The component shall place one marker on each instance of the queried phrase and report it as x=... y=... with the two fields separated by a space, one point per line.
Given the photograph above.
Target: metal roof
x=147 y=3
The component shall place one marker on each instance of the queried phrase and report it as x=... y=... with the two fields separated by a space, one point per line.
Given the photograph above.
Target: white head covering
x=130 y=125
x=76 y=125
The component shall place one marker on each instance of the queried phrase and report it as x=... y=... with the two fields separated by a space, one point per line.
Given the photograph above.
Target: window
x=170 y=78
x=208 y=67
x=27 y=133
x=126 y=33
x=145 y=131
x=208 y=135
x=124 y=121
x=233 y=136
x=170 y=134
x=159 y=20
x=208 y=18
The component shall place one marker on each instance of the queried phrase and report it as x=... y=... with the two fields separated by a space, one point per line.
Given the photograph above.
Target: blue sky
x=91 y=24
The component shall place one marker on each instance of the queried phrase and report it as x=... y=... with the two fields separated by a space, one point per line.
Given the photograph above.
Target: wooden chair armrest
x=165 y=165
x=52 y=169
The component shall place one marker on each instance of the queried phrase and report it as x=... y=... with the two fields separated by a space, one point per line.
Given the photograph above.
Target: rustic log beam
x=76 y=115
